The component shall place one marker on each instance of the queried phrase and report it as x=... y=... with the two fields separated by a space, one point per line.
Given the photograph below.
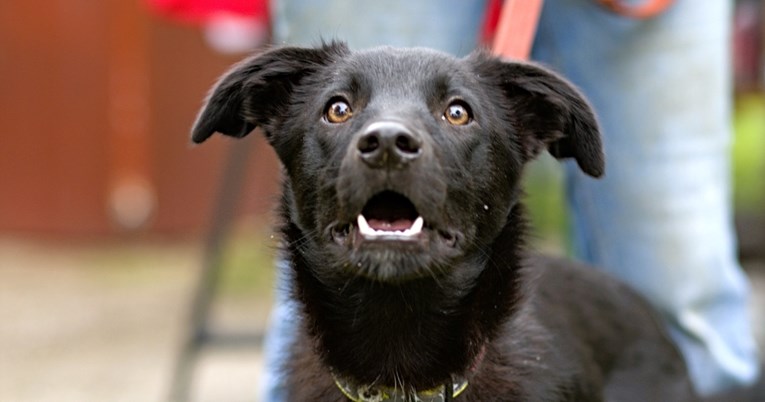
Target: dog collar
x=371 y=393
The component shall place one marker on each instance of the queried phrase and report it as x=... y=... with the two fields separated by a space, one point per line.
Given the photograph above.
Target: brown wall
x=97 y=94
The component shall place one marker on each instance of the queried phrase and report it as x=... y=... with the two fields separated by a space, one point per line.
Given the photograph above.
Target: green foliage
x=749 y=154
x=248 y=263
x=546 y=203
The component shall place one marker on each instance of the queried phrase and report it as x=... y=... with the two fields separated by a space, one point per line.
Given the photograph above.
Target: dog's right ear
x=257 y=89
x=547 y=111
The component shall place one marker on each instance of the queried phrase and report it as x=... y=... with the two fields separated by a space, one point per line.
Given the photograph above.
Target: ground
x=105 y=323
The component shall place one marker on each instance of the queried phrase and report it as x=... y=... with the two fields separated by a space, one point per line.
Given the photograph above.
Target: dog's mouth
x=388 y=217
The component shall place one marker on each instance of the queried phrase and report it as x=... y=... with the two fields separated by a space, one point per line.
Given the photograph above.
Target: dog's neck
x=416 y=334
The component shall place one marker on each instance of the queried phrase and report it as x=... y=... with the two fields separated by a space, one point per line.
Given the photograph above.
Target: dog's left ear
x=549 y=112
x=255 y=91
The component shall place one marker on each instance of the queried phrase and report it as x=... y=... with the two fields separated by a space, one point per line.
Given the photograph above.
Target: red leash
x=516 y=28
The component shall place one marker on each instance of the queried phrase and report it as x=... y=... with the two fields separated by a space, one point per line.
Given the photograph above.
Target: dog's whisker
x=351 y=279
x=302 y=240
x=435 y=278
x=398 y=382
x=403 y=299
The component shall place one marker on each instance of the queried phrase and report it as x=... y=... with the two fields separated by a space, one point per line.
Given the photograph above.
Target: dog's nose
x=388 y=144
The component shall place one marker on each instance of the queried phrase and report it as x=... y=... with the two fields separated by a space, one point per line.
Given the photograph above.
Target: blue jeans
x=661 y=217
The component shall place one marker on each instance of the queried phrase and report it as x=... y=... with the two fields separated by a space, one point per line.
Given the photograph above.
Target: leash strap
x=516 y=28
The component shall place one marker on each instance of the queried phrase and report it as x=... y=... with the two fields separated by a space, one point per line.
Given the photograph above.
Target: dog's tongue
x=396 y=225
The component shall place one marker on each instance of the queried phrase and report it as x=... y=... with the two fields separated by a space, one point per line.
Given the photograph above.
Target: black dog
x=403 y=225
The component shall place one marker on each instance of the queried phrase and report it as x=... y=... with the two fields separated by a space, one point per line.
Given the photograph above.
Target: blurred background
x=116 y=234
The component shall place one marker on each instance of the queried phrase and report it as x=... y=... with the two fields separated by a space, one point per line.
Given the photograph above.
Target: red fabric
x=201 y=11
x=489 y=29
x=516 y=28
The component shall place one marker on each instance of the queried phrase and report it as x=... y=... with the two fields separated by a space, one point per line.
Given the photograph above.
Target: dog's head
x=401 y=162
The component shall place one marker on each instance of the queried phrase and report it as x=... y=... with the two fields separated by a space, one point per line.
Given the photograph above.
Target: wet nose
x=388 y=144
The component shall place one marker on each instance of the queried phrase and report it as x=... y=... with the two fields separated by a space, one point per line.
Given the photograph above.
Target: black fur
x=463 y=299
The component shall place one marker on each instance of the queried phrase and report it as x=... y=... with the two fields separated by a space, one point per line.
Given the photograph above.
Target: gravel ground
x=82 y=324
x=100 y=324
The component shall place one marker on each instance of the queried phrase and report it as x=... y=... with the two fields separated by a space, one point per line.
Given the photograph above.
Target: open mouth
x=389 y=216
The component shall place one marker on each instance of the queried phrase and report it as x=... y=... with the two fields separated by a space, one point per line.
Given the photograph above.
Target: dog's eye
x=458 y=114
x=338 y=111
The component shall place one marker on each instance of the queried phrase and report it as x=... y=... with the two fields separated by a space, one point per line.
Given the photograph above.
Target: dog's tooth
x=364 y=227
x=418 y=224
x=415 y=229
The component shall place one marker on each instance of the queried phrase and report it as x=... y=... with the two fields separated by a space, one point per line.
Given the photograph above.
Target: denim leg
x=661 y=217
x=451 y=26
x=281 y=332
